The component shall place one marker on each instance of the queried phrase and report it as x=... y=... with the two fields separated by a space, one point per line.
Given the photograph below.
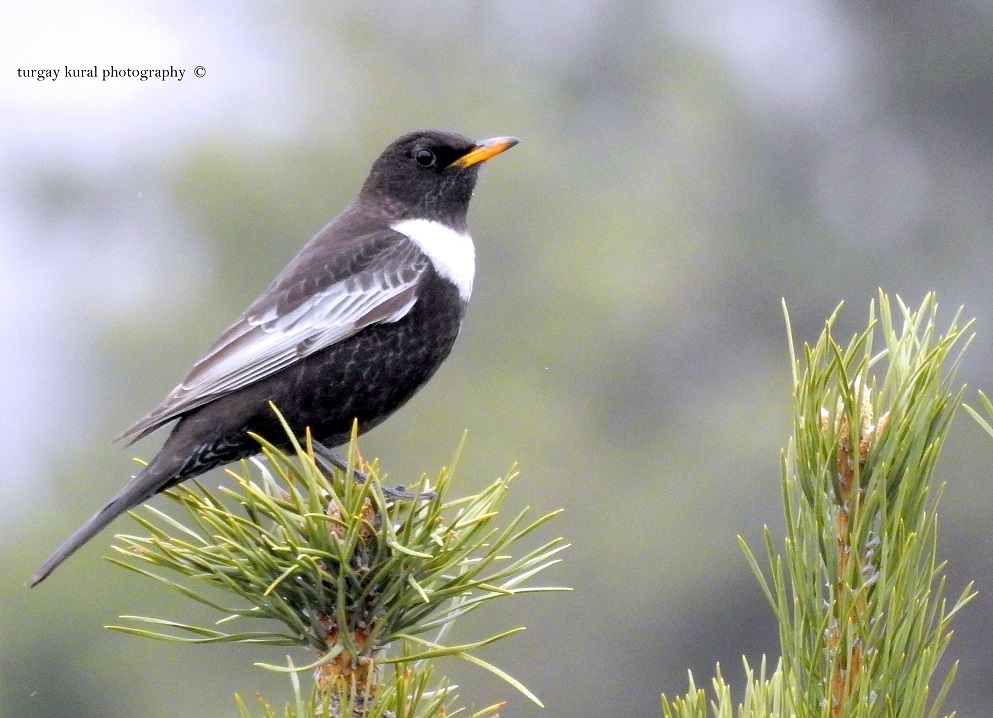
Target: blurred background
x=683 y=168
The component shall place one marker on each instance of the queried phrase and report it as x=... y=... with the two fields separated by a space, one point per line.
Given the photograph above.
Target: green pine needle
x=859 y=593
x=334 y=564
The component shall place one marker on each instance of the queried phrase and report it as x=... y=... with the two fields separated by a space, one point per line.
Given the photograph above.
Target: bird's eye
x=425 y=158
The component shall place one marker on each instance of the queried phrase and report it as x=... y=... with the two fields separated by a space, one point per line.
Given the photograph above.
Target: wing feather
x=288 y=322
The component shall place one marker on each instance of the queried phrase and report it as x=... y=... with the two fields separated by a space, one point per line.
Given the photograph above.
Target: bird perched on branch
x=356 y=323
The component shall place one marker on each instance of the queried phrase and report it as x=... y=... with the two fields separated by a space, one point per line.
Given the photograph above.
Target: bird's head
x=430 y=174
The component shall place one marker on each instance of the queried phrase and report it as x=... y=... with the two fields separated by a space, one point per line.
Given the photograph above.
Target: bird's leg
x=328 y=459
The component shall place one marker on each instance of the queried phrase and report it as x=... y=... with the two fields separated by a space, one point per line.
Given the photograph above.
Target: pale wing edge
x=199 y=389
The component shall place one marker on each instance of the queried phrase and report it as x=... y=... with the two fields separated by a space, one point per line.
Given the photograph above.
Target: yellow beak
x=484 y=150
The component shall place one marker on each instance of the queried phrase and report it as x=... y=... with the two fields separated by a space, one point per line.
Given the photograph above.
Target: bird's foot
x=328 y=459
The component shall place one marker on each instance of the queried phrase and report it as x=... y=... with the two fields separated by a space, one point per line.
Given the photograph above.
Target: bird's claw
x=328 y=460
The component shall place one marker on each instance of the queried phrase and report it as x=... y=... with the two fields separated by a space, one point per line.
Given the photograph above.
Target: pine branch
x=293 y=557
x=859 y=594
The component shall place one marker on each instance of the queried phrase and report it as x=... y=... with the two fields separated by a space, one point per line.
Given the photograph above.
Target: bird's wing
x=309 y=307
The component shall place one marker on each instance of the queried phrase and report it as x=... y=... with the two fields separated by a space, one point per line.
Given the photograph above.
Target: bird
x=356 y=323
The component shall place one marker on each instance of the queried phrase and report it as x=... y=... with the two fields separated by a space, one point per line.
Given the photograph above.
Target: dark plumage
x=358 y=321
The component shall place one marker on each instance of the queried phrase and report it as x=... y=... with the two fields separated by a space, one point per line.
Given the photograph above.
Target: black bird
x=356 y=323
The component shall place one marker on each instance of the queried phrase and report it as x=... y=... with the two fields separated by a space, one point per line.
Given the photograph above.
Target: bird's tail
x=142 y=487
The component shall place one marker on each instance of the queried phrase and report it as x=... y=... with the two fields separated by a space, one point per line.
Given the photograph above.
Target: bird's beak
x=485 y=149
